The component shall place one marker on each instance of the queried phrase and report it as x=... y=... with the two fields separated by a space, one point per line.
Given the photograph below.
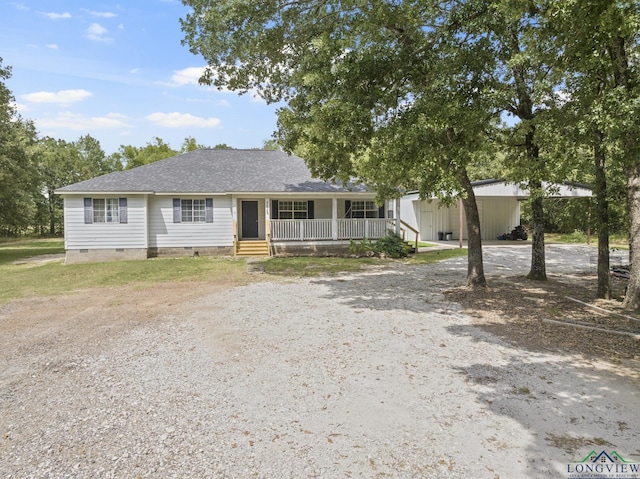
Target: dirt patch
x=541 y=316
x=89 y=320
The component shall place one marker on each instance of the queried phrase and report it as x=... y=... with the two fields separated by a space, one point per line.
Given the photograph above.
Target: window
x=192 y=211
x=364 y=209
x=293 y=210
x=106 y=210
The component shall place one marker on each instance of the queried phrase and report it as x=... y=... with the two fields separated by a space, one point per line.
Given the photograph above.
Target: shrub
x=360 y=249
x=392 y=245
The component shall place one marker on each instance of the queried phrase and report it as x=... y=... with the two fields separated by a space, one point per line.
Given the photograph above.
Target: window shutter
x=274 y=209
x=176 y=210
x=347 y=208
x=208 y=210
x=310 y=210
x=88 y=211
x=123 y=210
x=381 y=212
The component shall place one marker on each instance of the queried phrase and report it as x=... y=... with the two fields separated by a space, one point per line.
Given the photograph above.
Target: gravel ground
x=369 y=375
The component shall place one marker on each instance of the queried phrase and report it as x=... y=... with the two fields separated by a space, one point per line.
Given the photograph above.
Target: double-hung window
x=293 y=210
x=105 y=210
x=192 y=211
x=364 y=209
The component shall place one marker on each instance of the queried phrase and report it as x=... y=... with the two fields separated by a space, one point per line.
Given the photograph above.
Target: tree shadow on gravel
x=403 y=288
x=574 y=390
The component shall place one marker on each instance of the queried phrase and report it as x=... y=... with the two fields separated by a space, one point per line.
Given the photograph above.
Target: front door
x=249 y=219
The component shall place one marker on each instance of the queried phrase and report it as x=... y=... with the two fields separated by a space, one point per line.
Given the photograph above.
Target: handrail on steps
x=412 y=229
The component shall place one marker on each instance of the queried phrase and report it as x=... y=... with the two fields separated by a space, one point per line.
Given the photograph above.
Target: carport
x=498 y=206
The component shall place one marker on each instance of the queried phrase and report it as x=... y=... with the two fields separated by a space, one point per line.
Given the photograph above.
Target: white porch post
x=267 y=219
x=334 y=219
x=397 y=205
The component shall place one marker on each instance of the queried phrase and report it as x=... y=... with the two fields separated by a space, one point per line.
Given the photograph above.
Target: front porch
x=319 y=225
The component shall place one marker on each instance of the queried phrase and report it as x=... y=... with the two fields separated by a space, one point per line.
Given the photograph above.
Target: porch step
x=411 y=245
x=252 y=248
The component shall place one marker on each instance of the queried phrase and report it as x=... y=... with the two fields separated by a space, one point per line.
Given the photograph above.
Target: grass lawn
x=615 y=241
x=12 y=250
x=28 y=279
x=36 y=279
x=314 y=266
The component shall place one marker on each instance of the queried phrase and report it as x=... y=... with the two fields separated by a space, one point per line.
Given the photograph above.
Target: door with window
x=249 y=220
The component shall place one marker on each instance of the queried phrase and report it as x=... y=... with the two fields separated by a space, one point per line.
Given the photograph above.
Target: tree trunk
x=632 y=298
x=602 y=213
x=538 y=270
x=475 y=267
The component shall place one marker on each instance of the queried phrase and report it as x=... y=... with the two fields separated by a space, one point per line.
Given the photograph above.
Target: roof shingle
x=214 y=171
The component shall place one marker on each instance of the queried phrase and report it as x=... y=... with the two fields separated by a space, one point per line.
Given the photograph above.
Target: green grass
x=314 y=266
x=16 y=250
x=46 y=279
x=38 y=279
x=578 y=237
x=436 y=256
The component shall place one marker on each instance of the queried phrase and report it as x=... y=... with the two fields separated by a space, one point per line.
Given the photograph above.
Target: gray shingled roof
x=213 y=171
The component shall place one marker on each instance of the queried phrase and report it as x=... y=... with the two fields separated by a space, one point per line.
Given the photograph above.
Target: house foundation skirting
x=75 y=256
x=318 y=248
x=192 y=251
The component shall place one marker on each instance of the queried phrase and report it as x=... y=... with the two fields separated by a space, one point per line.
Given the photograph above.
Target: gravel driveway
x=371 y=375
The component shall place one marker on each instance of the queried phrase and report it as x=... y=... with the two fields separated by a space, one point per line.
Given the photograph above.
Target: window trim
x=105 y=210
x=205 y=210
x=297 y=209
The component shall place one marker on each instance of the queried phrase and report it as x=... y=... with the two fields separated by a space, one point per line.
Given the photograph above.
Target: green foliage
x=360 y=248
x=392 y=245
x=154 y=150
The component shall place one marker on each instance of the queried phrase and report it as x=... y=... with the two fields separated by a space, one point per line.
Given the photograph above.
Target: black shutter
x=176 y=210
x=347 y=208
x=124 y=217
x=88 y=211
x=274 y=209
x=208 y=214
x=310 y=210
x=381 y=212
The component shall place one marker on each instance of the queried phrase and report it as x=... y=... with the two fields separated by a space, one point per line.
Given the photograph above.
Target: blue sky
x=118 y=72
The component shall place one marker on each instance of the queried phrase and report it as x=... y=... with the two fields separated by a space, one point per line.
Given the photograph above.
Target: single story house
x=214 y=201
x=498 y=206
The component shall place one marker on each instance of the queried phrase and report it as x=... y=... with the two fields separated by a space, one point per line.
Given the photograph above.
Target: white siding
x=164 y=233
x=497 y=216
x=78 y=235
x=322 y=209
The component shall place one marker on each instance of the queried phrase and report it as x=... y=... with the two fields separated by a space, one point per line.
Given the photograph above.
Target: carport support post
x=397 y=201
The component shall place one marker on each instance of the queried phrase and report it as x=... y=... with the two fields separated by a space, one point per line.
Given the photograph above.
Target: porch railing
x=315 y=230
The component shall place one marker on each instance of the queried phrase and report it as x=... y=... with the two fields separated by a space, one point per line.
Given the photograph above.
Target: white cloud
x=135 y=71
x=100 y=14
x=178 y=120
x=62 y=96
x=97 y=33
x=76 y=121
x=20 y=6
x=57 y=16
x=53 y=46
x=186 y=76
